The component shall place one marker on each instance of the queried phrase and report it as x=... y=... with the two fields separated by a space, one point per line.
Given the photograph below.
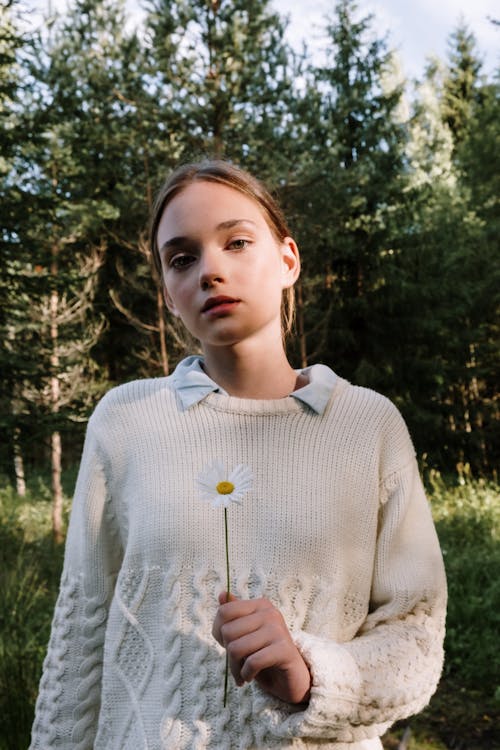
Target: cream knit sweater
x=336 y=532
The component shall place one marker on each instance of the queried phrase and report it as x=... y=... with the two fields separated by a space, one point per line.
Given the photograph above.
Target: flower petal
x=208 y=480
x=242 y=477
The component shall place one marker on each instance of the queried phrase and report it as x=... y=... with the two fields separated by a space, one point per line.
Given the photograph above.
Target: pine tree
x=470 y=107
x=441 y=294
x=479 y=162
x=461 y=85
x=61 y=229
x=96 y=81
x=352 y=183
x=14 y=295
x=224 y=77
x=430 y=147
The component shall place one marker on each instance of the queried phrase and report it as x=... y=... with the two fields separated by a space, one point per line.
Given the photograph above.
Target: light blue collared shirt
x=193 y=384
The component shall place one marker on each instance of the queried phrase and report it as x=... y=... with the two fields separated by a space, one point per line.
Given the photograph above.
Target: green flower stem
x=228 y=589
x=228 y=579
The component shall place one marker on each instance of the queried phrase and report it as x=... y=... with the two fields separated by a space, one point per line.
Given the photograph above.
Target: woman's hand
x=261 y=648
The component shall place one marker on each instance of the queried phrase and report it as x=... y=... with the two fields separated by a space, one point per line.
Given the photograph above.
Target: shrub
x=467 y=516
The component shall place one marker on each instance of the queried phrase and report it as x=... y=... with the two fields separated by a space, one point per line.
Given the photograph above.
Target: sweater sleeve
x=69 y=697
x=390 y=669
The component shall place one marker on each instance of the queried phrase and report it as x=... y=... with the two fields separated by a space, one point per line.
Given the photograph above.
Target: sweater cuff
x=335 y=691
x=336 y=679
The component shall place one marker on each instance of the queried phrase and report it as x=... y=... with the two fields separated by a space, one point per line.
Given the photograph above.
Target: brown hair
x=224 y=173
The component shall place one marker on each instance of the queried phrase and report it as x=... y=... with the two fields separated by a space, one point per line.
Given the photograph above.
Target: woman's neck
x=245 y=372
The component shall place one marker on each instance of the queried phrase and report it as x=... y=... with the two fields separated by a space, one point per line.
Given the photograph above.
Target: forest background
x=392 y=190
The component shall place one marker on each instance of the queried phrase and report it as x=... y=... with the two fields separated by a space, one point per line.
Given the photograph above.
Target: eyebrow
x=234 y=222
x=181 y=240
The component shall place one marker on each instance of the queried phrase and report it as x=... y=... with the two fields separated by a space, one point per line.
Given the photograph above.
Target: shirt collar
x=193 y=384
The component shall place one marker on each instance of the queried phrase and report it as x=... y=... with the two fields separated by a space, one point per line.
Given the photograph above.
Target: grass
x=30 y=567
x=463 y=715
x=465 y=712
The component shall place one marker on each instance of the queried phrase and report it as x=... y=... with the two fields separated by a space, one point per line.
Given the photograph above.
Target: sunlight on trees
x=392 y=191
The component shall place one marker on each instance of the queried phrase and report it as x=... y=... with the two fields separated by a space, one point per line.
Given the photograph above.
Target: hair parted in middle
x=224 y=173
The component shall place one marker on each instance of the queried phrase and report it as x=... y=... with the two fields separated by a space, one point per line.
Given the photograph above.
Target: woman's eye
x=238 y=244
x=180 y=261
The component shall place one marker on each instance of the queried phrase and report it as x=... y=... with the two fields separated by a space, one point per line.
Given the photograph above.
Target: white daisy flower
x=221 y=488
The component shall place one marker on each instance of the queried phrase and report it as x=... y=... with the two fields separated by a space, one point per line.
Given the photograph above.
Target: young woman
x=334 y=627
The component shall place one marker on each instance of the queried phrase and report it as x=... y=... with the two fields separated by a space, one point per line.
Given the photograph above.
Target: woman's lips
x=218 y=305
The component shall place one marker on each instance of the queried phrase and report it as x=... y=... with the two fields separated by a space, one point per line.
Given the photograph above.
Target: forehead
x=205 y=205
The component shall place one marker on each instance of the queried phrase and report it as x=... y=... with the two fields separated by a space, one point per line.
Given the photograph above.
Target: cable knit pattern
x=336 y=532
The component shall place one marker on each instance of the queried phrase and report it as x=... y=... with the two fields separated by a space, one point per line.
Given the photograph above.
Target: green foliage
x=350 y=184
x=397 y=214
x=461 y=85
x=29 y=576
x=224 y=78
x=468 y=523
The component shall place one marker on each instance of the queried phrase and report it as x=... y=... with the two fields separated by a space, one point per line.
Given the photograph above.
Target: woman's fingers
x=256 y=637
x=244 y=652
x=232 y=611
x=224 y=597
x=266 y=657
x=260 y=647
x=233 y=631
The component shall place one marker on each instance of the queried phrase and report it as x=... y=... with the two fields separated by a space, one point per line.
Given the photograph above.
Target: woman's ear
x=168 y=300
x=291 y=262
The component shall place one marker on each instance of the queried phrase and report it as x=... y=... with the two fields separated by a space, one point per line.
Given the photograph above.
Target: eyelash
x=180 y=262
x=233 y=242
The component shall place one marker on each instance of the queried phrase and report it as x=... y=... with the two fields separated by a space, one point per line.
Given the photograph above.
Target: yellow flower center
x=225 y=488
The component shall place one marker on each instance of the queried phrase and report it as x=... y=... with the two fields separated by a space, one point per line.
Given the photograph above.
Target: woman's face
x=223 y=270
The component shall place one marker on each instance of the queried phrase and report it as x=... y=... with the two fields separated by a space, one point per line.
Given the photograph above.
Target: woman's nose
x=211 y=269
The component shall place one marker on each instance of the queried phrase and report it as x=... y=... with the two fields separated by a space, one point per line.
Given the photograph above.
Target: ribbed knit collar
x=193 y=384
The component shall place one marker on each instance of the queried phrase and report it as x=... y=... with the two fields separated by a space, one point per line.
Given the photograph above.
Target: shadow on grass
x=458 y=718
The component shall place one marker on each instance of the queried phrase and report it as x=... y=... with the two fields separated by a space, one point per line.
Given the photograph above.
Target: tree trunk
x=18 y=464
x=57 y=493
x=160 y=305
x=55 y=440
x=162 y=331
